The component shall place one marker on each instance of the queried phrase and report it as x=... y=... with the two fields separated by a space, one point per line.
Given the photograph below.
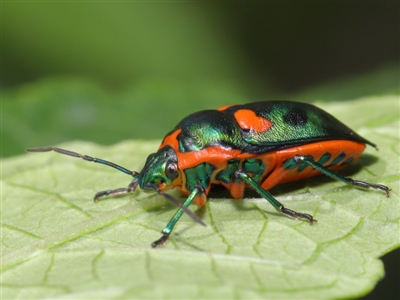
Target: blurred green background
x=106 y=71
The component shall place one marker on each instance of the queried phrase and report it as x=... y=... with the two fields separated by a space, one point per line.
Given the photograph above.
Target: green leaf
x=57 y=243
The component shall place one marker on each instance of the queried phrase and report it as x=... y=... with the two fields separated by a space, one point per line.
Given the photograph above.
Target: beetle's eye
x=171 y=171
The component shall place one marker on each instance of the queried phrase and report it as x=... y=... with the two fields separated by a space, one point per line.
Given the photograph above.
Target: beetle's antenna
x=85 y=157
x=177 y=203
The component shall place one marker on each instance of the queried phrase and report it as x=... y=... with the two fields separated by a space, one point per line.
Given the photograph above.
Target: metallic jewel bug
x=255 y=145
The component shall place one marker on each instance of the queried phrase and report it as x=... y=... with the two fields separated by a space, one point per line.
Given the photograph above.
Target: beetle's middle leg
x=275 y=203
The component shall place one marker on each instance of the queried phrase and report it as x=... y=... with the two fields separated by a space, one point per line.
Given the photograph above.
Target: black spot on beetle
x=296 y=117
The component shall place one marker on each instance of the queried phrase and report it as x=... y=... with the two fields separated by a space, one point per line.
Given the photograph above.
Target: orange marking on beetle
x=248 y=120
x=171 y=140
x=214 y=155
x=224 y=107
x=200 y=200
x=236 y=189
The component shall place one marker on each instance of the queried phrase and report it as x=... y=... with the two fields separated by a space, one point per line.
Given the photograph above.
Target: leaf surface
x=57 y=243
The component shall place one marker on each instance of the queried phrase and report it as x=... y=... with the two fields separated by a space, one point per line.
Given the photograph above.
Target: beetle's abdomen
x=280 y=167
x=334 y=155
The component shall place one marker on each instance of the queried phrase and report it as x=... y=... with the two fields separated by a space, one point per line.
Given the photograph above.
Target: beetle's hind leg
x=116 y=192
x=362 y=184
x=275 y=203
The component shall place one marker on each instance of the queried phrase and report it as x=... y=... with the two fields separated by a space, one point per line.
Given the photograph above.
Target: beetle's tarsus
x=297 y=215
x=161 y=241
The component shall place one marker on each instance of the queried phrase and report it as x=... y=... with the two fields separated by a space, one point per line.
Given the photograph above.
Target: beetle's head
x=159 y=171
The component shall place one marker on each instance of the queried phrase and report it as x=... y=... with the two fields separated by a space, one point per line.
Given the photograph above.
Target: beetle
x=256 y=145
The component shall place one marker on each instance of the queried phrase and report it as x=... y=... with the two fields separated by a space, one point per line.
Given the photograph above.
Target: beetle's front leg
x=121 y=191
x=166 y=232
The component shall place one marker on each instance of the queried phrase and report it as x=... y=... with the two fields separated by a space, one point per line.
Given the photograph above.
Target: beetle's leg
x=362 y=184
x=121 y=191
x=166 y=232
x=275 y=203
